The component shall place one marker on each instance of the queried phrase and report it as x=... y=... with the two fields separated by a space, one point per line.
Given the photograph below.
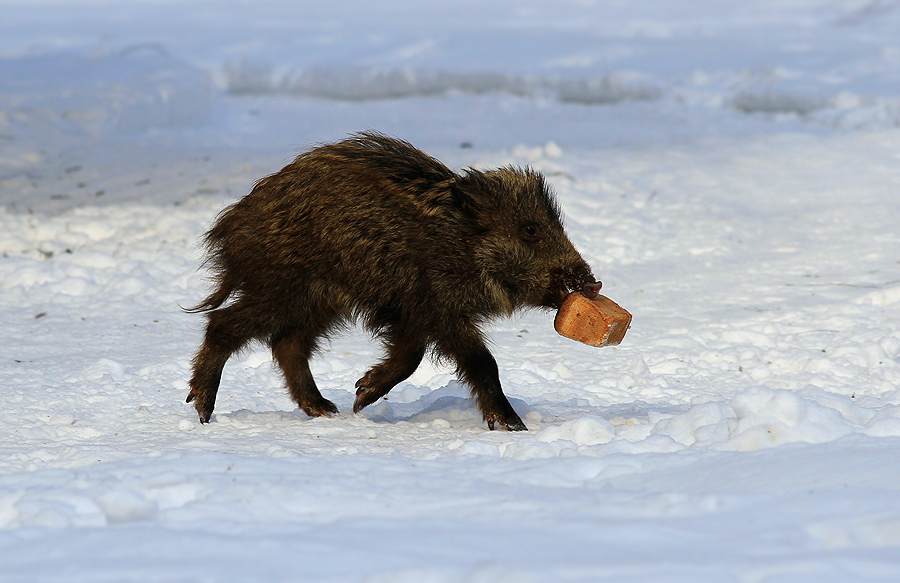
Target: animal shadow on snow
x=451 y=403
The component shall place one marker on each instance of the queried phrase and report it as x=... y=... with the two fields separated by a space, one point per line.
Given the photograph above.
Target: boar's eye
x=531 y=233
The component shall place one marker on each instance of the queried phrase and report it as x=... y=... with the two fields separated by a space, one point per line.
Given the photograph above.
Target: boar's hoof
x=366 y=393
x=204 y=415
x=203 y=406
x=320 y=407
x=514 y=424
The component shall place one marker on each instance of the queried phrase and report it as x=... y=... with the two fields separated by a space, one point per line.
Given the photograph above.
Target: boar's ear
x=474 y=193
x=463 y=199
x=446 y=199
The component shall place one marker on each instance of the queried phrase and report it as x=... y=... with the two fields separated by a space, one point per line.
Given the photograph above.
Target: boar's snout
x=592 y=290
x=576 y=277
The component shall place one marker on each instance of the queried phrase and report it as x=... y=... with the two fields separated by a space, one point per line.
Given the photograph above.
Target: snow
x=729 y=170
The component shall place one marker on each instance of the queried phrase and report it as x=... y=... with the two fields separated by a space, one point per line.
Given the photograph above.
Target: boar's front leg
x=404 y=353
x=477 y=367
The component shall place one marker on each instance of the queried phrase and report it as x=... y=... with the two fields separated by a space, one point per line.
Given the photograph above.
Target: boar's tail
x=212 y=301
x=216 y=261
x=225 y=285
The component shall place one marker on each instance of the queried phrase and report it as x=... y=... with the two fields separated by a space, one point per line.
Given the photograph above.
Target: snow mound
x=588 y=430
x=754 y=419
x=133 y=90
x=377 y=83
x=772 y=102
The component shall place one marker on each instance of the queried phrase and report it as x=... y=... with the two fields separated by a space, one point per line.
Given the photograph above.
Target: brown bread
x=597 y=322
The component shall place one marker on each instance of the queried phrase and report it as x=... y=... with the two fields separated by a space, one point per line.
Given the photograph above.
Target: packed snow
x=730 y=170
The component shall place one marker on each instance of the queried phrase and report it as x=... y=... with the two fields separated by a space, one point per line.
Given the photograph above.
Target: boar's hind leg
x=291 y=351
x=478 y=369
x=226 y=332
x=403 y=357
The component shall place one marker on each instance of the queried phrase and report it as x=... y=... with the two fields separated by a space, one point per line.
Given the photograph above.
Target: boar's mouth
x=564 y=282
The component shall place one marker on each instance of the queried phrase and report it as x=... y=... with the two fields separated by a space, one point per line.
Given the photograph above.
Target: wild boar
x=372 y=230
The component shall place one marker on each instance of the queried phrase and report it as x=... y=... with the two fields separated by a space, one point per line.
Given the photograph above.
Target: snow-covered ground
x=730 y=170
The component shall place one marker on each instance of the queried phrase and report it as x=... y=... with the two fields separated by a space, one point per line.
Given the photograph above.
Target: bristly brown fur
x=374 y=230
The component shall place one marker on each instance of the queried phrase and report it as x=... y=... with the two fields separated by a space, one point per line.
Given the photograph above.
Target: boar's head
x=522 y=251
